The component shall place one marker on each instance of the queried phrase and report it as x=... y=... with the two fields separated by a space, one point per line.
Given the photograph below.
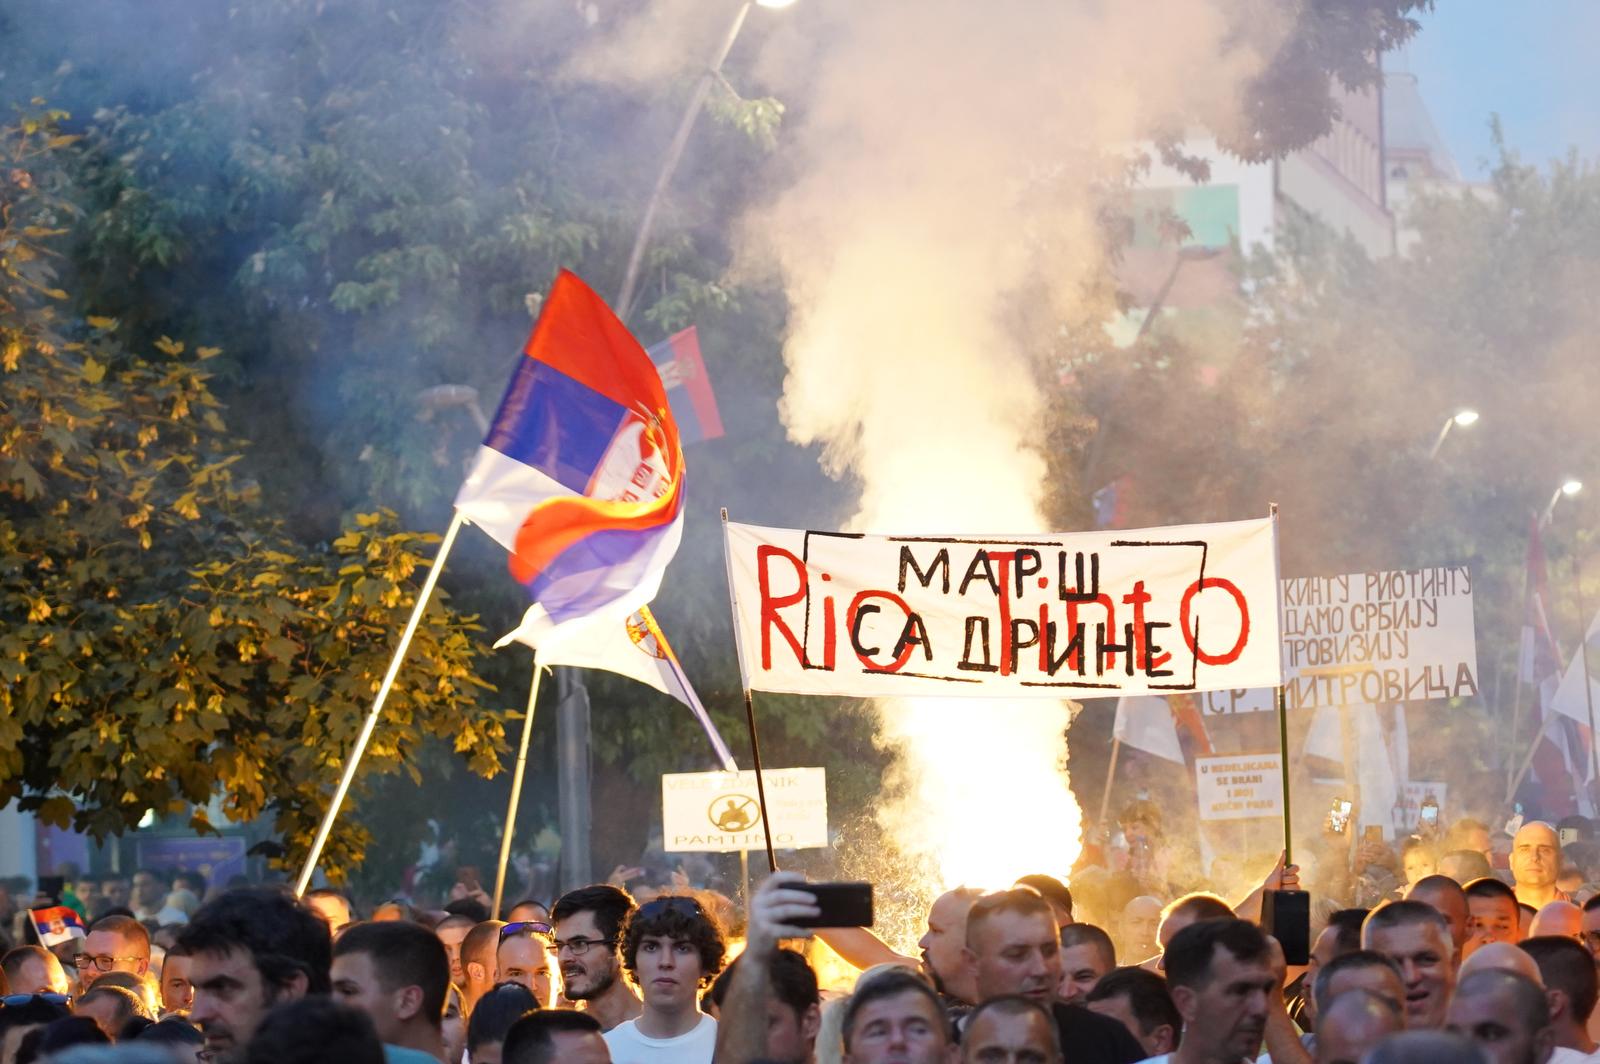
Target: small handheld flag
x=56 y=925
x=581 y=474
x=683 y=374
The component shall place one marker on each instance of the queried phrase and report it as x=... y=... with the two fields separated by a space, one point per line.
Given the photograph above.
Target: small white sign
x=1245 y=700
x=1239 y=788
x=718 y=812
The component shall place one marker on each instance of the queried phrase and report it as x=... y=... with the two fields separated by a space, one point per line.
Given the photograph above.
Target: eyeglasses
x=16 y=1001
x=524 y=927
x=84 y=961
x=674 y=903
x=579 y=946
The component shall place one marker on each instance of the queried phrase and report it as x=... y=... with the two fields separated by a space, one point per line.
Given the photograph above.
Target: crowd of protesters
x=1473 y=945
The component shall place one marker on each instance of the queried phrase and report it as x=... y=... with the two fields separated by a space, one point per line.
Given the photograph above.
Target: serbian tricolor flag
x=581 y=475
x=56 y=925
x=683 y=374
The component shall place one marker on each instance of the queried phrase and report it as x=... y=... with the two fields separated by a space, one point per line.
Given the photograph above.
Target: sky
x=1532 y=62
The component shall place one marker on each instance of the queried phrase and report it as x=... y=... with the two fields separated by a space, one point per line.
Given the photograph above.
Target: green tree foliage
x=163 y=640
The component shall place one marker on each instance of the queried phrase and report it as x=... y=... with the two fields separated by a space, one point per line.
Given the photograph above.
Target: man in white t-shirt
x=672 y=949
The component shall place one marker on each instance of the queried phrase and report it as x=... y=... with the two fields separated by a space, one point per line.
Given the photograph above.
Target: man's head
x=672 y=949
x=1417 y=939
x=1086 y=956
x=1591 y=925
x=1187 y=910
x=1354 y=1022
x=1558 y=918
x=1536 y=856
x=333 y=907
x=1502 y=956
x=1446 y=895
x=1341 y=935
x=149 y=890
x=477 y=961
x=397 y=973
x=1468 y=834
x=114 y=892
x=1053 y=891
x=111 y=1007
x=588 y=933
x=497 y=1010
x=1464 y=866
x=896 y=1016
x=16 y=1021
x=251 y=949
x=946 y=937
x=1013 y=946
x=1220 y=975
x=177 y=989
x=523 y=956
x=1363 y=969
x=1492 y=911
x=1506 y=1014
x=1011 y=1030
x=794 y=1006
x=1567 y=972
x=314 y=1029
x=451 y=931
x=548 y=1036
x=1141 y=918
x=1140 y=1002
x=114 y=944
x=529 y=909
x=34 y=970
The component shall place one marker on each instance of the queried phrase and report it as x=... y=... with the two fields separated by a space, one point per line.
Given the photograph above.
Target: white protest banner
x=1414 y=792
x=718 y=812
x=1374 y=638
x=1238 y=788
x=1189 y=608
x=1251 y=700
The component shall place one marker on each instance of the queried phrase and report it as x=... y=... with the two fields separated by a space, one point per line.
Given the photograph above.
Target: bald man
x=1560 y=919
x=1501 y=956
x=1536 y=864
x=1141 y=918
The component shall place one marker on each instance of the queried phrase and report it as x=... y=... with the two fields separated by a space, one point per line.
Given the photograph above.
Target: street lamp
x=1568 y=487
x=680 y=140
x=1464 y=418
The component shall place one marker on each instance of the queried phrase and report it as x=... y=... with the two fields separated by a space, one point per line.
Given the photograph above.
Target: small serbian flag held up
x=683 y=374
x=56 y=925
x=581 y=475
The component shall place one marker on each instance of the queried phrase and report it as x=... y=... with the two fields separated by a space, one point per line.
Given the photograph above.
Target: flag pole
x=516 y=785
x=1105 y=795
x=354 y=759
x=749 y=699
x=1283 y=706
x=1583 y=656
x=1516 y=689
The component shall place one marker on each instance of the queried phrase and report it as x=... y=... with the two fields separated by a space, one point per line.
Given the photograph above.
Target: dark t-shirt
x=1090 y=1038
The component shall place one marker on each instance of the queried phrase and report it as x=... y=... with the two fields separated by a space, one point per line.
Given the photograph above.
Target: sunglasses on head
x=16 y=1001
x=673 y=904
x=525 y=927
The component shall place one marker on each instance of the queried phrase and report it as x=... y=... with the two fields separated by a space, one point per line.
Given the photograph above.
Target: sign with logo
x=1239 y=787
x=718 y=812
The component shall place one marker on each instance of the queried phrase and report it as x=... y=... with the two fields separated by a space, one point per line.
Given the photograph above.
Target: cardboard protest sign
x=1189 y=608
x=1251 y=700
x=1238 y=788
x=719 y=812
x=1374 y=638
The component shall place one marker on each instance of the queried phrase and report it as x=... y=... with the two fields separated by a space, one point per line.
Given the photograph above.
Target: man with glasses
x=523 y=957
x=114 y=944
x=672 y=949
x=588 y=923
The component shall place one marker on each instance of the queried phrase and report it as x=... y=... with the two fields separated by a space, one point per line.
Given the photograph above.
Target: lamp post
x=1464 y=418
x=1568 y=487
x=680 y=140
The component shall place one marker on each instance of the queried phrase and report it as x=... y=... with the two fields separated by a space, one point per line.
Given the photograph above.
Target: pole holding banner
x=539 y=669
x=354 y=759
x=1283 y=707
x=1105 y=795
x=1583 y=656
x=749 y=701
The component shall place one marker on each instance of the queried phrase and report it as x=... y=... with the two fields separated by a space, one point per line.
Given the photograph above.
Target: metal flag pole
x=354 y=758
x=1105 y=795
x=749 y=700
x=1283 y=706
x=539 y=669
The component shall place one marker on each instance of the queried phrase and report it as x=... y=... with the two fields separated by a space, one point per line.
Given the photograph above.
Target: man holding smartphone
x=756 y=1023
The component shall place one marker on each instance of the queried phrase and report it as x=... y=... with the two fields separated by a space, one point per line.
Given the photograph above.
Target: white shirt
x=628 y=1046
x=1563 y=1055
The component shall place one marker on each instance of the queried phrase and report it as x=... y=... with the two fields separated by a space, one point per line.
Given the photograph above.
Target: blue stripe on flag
x=554 y=424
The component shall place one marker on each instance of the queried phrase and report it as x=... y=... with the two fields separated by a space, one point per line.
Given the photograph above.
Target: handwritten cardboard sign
x=1239 y=788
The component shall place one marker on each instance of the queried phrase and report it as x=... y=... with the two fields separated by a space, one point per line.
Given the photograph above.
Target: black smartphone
x=51 y=887
x=842 y=904
x=1286 y=916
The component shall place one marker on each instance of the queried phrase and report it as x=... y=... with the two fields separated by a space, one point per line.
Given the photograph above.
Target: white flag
x=1145 y=722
